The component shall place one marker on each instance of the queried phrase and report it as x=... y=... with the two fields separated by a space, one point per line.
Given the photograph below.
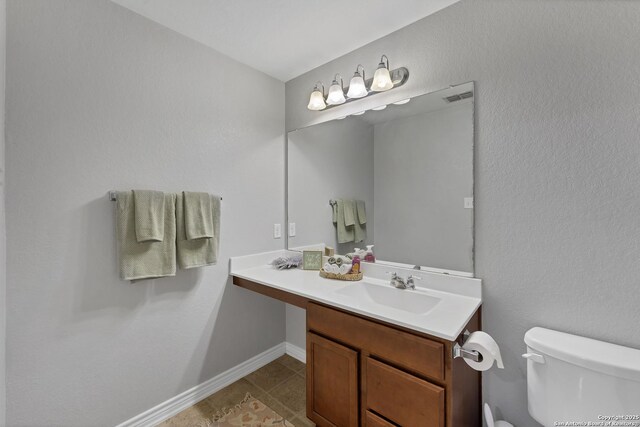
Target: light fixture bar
x=399 y=76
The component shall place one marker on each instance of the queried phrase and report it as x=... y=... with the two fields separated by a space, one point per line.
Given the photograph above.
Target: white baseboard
x=296 y=352
x=176 y=404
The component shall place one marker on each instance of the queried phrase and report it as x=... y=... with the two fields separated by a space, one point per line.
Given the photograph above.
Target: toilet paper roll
x=484 y=344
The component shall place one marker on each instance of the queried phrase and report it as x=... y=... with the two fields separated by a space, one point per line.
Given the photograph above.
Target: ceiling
x=285 y=38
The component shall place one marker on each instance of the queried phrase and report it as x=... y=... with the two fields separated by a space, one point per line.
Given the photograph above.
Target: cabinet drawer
x=372 y=420
x=412 y=352
x=402 y=398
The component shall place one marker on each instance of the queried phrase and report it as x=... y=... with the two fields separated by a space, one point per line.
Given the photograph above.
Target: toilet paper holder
x=458 y=351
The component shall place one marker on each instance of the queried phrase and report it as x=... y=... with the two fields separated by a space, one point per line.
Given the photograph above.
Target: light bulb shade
x=381 y=79
x=316 y=101
x=357 y=88
x=336 y=94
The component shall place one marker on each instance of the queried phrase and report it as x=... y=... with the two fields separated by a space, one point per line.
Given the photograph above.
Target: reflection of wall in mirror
x=423 y=172
x=328 y=161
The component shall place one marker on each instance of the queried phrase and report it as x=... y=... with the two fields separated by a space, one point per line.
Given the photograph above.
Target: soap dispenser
x=369 y=257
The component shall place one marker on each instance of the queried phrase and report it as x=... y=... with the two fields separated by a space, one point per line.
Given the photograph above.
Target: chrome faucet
x=402 y=283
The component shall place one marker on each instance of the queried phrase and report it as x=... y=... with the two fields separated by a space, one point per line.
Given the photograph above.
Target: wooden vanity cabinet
x=362 y=372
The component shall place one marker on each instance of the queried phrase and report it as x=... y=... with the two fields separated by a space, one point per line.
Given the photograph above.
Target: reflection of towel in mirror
x=360 y=224
x=362 y=212
x=345 y=234
x=349 y=212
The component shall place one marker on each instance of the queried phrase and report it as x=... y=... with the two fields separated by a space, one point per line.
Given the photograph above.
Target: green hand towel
x=362 y=212
x=360 y=226
x=198 y=252
x=144 y=260
x=349 y=212
x=345 y=234
x=149 y=215
x=198 y=217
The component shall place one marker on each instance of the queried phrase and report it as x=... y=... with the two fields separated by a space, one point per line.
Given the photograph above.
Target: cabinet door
x=332 y=383
x=402 y=398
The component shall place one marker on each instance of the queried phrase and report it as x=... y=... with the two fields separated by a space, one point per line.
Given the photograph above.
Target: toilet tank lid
x=600 y=356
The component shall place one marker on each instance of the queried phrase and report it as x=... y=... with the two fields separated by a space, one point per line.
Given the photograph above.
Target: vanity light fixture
x=357 y=87
x=336 y=92
x=383 y=80
x=382 y=77
x=359 y=113
x=316 y=100
x=404 y=101
x=380 y=108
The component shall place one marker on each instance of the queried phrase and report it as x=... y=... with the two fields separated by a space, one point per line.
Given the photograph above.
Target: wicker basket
x=350 y=277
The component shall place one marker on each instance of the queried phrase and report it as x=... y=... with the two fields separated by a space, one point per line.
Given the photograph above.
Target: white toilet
x=580 y=380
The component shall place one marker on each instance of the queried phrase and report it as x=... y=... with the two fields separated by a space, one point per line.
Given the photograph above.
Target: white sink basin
x=406 y=300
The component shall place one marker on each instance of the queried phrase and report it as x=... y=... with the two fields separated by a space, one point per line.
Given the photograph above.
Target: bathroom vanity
x=399 y=177
x=376 y=355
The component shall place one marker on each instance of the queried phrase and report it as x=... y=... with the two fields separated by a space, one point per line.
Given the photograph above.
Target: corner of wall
x=3 y=275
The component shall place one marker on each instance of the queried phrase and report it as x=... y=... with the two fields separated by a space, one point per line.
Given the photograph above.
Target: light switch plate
x=468 y=202
x=292 y=229
x=277 y=231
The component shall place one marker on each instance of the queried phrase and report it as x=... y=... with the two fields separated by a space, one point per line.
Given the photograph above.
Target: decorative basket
x=350 y=277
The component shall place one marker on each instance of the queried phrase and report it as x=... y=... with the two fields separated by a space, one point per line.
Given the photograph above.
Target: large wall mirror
x=399 y=178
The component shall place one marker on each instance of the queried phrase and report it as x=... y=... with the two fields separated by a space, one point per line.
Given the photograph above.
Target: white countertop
x=458 y=298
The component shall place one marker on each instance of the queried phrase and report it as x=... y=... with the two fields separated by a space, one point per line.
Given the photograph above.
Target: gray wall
x=557 y=154
x=99 y=98
x=3 y=240
x=424 y=170
x=326 y=162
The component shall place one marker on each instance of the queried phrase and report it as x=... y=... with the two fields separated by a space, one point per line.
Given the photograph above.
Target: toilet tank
x=572 y=379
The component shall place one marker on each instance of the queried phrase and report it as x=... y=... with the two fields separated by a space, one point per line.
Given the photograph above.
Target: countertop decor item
x=312 y=260
x=287 y=262
x=349 y=277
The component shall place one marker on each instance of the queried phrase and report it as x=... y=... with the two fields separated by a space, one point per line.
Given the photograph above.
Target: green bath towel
x=198 y=252
x=144 y=260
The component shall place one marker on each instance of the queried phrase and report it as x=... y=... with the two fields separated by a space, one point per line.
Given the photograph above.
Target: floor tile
x=291 y=393
x=195 y=416
x=291 y=363
x=277 y=406
x=270 y=375
x=280 y=385
x=301 y=421
x=233 y=394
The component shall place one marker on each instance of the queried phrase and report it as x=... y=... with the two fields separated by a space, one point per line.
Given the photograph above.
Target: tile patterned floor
x=280 y=385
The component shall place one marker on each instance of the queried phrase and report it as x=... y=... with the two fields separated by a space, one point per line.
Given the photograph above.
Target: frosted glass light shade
x=316 y=101
x=357 y=88
x=381 y=79
x=336 y=95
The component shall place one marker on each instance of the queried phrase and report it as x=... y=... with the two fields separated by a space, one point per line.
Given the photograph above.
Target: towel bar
x=112 y=196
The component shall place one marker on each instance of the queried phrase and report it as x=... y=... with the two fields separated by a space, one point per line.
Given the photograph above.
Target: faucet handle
x=393 y=274
x=412 y=277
